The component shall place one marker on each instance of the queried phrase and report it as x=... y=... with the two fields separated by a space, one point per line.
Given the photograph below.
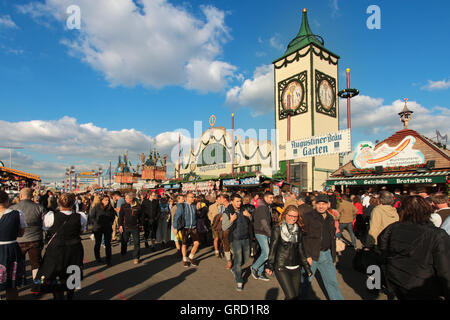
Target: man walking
x=440 y=203
x=262 y=223
x=303 y=207
x=224 y=237
x=237 y=221
x=319 y=242
x=347 y=213
x=213 y=211
x=32 y=240
x=153 y=217
x=129 y=224
x=146 y=207
x=119 y=201
x=187 y=211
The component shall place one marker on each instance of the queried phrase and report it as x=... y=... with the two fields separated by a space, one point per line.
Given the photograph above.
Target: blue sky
x=53 y=78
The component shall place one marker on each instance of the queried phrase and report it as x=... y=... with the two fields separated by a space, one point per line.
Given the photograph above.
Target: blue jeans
x=327 y=270
x=259 y=264
x=125 y=237
x=349 y=228
x=241 y=252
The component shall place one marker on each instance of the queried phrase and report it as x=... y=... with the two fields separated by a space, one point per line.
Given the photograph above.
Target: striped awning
x=20 y=173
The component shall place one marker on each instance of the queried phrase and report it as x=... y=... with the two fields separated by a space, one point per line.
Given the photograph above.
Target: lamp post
x=288 y=138
x=348 y=94
x=232 y=142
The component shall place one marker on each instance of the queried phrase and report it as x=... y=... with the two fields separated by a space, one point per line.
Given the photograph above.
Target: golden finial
x=212 y=120
x=304 y=9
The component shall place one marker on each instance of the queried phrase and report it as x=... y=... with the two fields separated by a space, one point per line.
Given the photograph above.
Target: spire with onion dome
x=304 y=38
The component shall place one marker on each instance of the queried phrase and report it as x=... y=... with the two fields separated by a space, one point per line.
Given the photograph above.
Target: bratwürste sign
x=330 y=143
x=383 y=181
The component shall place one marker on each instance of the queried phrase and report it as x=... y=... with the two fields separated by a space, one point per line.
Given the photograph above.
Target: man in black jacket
x=146 y=207
x=320 y=247
x=262 y=224
x=130 y=216
x=151 y=215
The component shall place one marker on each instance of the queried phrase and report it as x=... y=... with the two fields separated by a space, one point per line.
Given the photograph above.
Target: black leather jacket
x=284 y=253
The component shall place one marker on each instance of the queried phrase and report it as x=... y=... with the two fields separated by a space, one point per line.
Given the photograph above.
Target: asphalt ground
x=160 y=275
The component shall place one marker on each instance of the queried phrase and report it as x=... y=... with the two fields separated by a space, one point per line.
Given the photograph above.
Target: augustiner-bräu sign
x=366 y=182
x=330 y=143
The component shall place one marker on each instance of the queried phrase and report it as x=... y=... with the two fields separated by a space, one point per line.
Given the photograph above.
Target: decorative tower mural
x=153 y=168
x=125 y=174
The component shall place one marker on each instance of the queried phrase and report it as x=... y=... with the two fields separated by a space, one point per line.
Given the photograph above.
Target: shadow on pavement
x=159 y=289
x=272 y=294
x=355 y=280
x=112 y=286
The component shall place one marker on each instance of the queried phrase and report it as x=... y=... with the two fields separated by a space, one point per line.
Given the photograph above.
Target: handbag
x=340 y=245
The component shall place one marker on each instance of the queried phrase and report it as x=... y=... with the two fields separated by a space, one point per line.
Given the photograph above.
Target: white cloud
x=256 y=93
x=275 y=43
x=206 y=75
x=436 y=85
x=334 y=8
x=84 y=145
x=374 y=117
x=7 y=22
x=154 y=45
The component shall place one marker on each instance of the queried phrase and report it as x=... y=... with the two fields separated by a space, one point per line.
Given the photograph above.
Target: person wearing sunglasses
x=286 y=255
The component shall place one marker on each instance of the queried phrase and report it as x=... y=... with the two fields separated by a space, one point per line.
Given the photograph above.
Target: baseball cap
x=322 y=198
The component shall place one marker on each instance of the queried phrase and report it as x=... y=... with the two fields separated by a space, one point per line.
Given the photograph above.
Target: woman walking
x=12 y=264
x=416 y=254
x=64 y=248
x=286 y=255
x=102 y=217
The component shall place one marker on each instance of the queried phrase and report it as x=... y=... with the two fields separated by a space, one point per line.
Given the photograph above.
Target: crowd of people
x=289 y=236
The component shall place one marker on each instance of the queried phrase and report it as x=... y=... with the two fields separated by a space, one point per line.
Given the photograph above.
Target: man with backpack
x=263 y=230
x=185 y=221
x=238 y=222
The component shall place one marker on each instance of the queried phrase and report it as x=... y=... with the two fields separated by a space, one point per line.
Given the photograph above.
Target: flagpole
x=179 y=155
x=232 y=139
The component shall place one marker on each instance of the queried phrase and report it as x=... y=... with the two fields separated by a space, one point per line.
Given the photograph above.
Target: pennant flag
x=441 y=139
x=280 y=183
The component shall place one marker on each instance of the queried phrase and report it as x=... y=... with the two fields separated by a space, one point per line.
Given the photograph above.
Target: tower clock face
x=292 y=95
x=325 y=101
x=326 y=94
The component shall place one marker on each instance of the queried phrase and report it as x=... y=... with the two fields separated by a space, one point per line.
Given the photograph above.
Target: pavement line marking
x=121 y=297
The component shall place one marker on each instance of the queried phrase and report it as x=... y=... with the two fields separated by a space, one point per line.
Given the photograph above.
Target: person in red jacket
x=358 y=223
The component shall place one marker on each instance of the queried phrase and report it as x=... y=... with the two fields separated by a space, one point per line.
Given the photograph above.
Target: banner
x=403 y=154
x=331 y=143
x=383 y=181
x=250 y=181
x=230 y=182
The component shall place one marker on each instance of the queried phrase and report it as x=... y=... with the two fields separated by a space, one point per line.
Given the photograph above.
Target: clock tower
x=306 y=104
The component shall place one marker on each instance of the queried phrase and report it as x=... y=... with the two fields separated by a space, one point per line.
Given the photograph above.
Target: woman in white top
x=64 y=248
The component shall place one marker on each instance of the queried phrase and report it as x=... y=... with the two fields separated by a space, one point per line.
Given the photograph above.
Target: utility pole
x=10 y=153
